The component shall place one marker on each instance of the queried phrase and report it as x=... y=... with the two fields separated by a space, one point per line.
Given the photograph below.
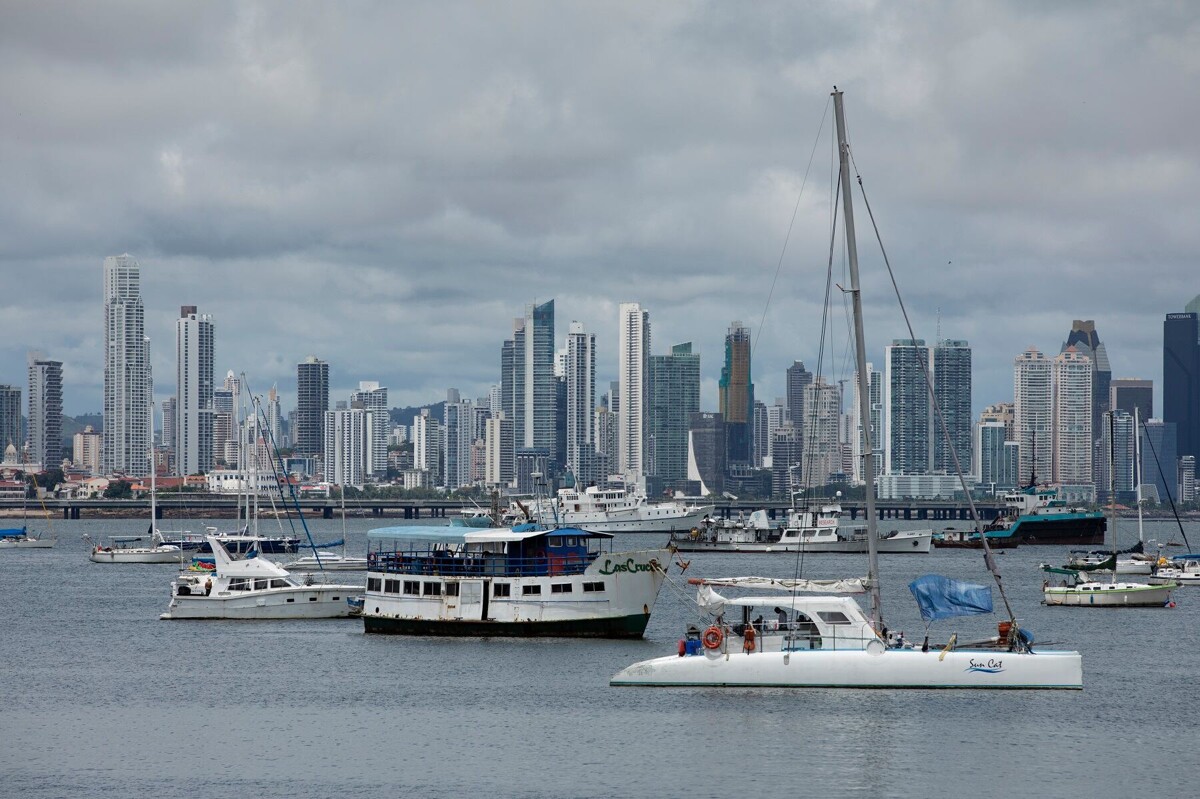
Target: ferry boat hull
x=1074 y=529
x=866 y=668
x=632 y=626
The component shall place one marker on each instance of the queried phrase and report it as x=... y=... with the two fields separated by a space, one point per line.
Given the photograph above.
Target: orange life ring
x=713 y=637
x=748 y=640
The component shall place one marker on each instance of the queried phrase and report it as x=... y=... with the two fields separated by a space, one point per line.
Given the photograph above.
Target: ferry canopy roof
x=460 y=535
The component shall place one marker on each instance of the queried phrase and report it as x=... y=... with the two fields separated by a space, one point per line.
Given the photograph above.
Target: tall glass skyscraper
x=1086 y=341
x=534 y=390
x=737 y=395
x=312 y=401
x=906 y=408
x=128 y=382
x=952 y=388
x=10 y=417
x=581 y=405
x=674 y=397
x=1181 y=379
x=45 y=411
x=1033 y=415
x=633 y=353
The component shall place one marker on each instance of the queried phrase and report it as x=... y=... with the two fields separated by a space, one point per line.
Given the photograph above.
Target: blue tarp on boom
x=941 y=598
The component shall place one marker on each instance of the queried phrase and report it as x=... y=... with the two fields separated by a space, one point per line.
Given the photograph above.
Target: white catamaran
x=828 y=641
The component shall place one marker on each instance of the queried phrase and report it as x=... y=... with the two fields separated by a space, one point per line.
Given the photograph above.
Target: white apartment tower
x=1072 y=379
x=345 y=445
x=373 y=398
x=633 y=354
x=1033 y=408
x=128 y=383
x=822 y=446
x=193 y=423
x=45 y=411
x=581 y=402
x=857 y=438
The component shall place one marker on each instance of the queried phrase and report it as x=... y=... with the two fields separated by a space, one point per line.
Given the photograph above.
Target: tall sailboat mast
x=860 y=351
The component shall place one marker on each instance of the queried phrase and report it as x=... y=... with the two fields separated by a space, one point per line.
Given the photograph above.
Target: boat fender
x=713 y=637
x=682 y=647
x=748 y=640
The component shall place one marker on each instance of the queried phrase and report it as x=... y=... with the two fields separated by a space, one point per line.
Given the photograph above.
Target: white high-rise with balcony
x=193 y=423
x=633 y=355
x=1033 y=409
x=1072 y=379
x=128 y=383
x=580 y=372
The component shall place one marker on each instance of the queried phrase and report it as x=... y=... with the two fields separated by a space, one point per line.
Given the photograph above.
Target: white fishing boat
x=615 y=510
x=254 y=588
x=527 y=581
x=828 y=641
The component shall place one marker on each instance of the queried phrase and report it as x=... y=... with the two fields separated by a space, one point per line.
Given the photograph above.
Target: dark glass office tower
x=1181 y=380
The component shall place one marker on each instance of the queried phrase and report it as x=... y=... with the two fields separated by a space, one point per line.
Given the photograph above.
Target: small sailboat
x=329 y=561
x=827 y=640
x=148 y=548
x=20 y=538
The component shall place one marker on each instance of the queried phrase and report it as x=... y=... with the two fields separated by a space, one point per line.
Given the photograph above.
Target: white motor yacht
x=1181 y=570
x=254 y=588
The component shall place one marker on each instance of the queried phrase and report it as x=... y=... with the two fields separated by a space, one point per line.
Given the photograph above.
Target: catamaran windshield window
x=279 y=583
x=833 y=617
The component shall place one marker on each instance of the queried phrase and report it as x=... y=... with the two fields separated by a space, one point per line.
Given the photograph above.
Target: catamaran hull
x=889 y=668
x=325 y=602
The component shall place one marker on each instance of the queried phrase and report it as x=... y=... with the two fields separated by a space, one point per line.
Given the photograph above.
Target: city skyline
x=263 y=190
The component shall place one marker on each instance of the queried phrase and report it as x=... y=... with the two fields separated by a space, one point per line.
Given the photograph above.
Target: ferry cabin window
x=433 y=589
x=531 y=590
x=374 y=584
x=451 y=589
x=560 y=588
x=391 y=586
x=412 y=587
x=833 y=617
x=596 y=587
x=501 y=589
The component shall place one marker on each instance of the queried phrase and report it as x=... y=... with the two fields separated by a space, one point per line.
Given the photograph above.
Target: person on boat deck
x=783 y=618
x=758 y=624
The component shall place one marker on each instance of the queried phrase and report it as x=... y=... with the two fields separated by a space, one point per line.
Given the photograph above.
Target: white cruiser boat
x=806 y=531
x=134 y=549
x=327 y=561
x=1181 y=570
x=827 y=641
x=614 y=510
x=526 y=581
x=254 y=588
x=19 y=538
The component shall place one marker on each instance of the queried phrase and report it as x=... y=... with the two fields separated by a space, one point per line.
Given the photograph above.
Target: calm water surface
x=102 y=699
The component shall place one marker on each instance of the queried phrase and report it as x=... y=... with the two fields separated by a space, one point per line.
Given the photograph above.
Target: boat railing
x=797 y=637
x=444 y=563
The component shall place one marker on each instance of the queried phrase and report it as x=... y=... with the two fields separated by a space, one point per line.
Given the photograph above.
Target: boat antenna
x=860 y=348
x=988 y=559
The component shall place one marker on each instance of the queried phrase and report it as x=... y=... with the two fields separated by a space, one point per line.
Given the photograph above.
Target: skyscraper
x=706 y=452
x=457 y=421
x=1159 y=457
x=345 y=446
x=1127 y=394
x=312 y=400
x=581 y=405
x=633 y=357
x=193 y=422
x=1071 y=376
x=45 y=411
x=538 y=401
x=858 y=441
x=1181 y=379
x=427 y=446
x=797 y=378
x=952 y=388
x=674 y=396
x=10 y=417
x=736 y=394
x=1033 y=415
x=373 y=398
x=822 y=455
x=128 y=383
x=993 y=464
x=1086 y=341
x=760 y=439
x=785 y=460
x=906 y=416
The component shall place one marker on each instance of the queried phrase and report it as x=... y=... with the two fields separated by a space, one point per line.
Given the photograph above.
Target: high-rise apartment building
x=128 y=382
x=736 y=395
x=1072 y=379
x=312 y=401
x=1181 y=379
x=1001 y=412
x=345 y=446
x=372 y=398
x=906 y=415
x=580 y=377
x=427 y=446
x=1159 y=459
x=85 y=451
x=193 y=406
x=1033 y=415
x=528 y=387
x=1086 y=341
x=498 y=436
x=760 y=438
x=995 y=462
x=10 y=417
x=707 y=463
x=1116 y=442
x=674 y=395
x=822 y=454
x=633 y=354
x=952 y=390
x=797 y=379
x=786 y=458
x=45 y=411
x=457 y=427
x=273 y=411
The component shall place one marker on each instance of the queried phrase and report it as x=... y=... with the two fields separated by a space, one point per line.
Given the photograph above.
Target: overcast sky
x=386 y=185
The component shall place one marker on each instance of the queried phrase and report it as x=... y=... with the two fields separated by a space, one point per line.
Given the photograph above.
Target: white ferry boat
x=527 y=581
x=615 y=510
x=807 y=530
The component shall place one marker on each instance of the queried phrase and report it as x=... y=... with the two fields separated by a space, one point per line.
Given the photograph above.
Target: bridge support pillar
x=327 y=512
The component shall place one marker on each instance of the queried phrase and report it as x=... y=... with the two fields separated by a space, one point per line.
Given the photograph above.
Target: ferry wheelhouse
x=526 y=581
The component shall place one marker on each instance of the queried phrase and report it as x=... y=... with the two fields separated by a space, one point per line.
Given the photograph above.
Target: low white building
x=235 y=481
x=922 y=486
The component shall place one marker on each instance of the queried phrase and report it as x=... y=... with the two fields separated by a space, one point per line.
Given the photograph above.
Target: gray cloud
x=386 y=186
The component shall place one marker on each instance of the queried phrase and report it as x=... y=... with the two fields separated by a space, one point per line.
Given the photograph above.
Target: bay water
x=99 y=698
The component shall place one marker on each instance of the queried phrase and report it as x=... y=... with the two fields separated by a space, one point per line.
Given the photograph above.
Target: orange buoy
x=713 y=637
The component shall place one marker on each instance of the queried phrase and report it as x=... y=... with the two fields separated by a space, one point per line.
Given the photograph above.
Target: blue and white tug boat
x=527 y=581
